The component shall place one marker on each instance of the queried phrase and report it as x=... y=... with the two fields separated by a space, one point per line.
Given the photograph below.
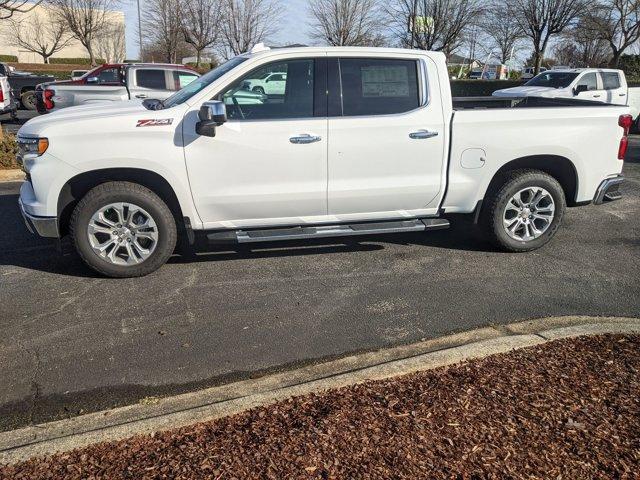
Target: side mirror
x=92 y=80
x=580 y=88
x=212 y=114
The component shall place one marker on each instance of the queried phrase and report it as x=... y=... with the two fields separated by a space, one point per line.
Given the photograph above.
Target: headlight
x=32 y=146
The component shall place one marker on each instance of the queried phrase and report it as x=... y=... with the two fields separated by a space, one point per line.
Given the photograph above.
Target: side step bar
x=300 y=233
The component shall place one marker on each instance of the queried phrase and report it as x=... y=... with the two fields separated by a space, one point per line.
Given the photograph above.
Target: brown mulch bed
x=565 y=410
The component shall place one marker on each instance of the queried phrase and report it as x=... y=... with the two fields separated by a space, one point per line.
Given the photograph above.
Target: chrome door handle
x=622 y=94
x=304 y=139
x=596 y=96
x=141 y=95
x=422 y=134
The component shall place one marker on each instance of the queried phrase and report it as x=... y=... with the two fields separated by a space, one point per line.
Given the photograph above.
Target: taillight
x=47 y=95
x=625 y=121
x=1 y=95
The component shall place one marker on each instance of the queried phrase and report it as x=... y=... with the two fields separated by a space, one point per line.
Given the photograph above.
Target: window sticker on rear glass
x=385 y=81
x=154 y=122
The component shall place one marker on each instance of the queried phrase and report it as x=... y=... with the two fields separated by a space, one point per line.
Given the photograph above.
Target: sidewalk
x=568 y=407
x=11 y=175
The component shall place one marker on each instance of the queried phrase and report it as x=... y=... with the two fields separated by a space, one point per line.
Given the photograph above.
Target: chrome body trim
x=608 y=190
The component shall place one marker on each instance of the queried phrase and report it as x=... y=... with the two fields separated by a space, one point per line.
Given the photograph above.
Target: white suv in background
x=595 y=84
x=270 y=83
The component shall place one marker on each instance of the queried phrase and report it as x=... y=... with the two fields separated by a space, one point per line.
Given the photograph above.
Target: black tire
x=28 y=100
x=492 y=219
x=115 y=192
x=259 y=90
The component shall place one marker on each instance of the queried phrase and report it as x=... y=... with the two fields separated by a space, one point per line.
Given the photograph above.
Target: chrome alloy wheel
x=123 y=233
x=528 y=214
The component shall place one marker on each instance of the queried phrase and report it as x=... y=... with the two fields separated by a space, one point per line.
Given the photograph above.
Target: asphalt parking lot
x=73 y=342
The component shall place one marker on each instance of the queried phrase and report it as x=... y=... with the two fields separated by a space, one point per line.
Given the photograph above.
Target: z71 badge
x=154 y=122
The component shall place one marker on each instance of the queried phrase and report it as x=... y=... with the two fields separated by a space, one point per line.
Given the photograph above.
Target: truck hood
x=527 y=92
x=86 y=113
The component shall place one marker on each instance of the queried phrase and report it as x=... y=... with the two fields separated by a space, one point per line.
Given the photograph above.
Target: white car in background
x=594 y=84
x=77 y=74
x=270 y=83
x=528 y=73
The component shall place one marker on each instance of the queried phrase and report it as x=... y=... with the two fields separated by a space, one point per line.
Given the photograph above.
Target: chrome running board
x=323 y=231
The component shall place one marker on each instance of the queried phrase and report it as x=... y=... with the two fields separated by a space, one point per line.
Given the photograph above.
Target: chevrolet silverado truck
x=361 y=141
x=115 y=83
x=23 y=84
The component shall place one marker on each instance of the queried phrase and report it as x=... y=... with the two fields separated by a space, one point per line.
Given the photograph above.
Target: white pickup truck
x=362 y=141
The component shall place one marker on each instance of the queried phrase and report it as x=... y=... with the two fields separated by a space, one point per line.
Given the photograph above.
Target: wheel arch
x=559 y=167
x=77 y=187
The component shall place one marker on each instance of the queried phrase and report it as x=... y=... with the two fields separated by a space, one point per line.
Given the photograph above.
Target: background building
x=40 y=27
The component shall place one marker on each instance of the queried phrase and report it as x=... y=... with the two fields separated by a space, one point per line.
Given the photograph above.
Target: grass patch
x=8 y=151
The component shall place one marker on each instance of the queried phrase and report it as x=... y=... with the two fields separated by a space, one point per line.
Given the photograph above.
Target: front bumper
x=609 y=190
x=43 y=226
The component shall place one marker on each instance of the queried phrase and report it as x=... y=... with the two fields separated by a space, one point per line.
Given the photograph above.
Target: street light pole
x=139 y=31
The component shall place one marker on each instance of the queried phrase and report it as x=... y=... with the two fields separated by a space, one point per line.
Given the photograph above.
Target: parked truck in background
x=23 y=84
x=361 y=141
x=595 y=84
x=115 y=83
x=7 y=103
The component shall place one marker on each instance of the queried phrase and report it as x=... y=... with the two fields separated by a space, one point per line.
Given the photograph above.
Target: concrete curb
x=12 y=175
x=216 y=402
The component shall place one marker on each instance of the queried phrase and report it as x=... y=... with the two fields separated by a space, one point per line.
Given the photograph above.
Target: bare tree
x=347 y=22
x=86 y=19
x=41 y=37
x=542 y=19
x=202 y=21
x=617 y=22
x=111 y=44
x=9 y=7
x=248 y=22
x=162 y=25
x=581 y=46
x=500 y=25
x=433 y=24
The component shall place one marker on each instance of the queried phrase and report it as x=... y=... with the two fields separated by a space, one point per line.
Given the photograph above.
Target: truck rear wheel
x=525 y=211
x=122 y=229
x=28 y=100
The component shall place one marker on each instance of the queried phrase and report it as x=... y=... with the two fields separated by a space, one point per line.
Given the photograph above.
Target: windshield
x=202 y=82
x=552 y=79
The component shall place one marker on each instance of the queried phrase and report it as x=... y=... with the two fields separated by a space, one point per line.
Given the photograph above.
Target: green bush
x=630 y=64
x=8 y=151
x=75 y=61
x=480 y=88
x=8 y=58
x=57 y=74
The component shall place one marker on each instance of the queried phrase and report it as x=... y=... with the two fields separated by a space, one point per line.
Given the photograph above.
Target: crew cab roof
x=580 y=70
x=338 y=50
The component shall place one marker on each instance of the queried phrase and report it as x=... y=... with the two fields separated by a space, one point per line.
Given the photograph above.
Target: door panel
x=268 y=164
x=386 y=153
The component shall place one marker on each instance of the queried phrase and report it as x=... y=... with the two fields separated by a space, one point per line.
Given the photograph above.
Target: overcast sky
x=293 y=29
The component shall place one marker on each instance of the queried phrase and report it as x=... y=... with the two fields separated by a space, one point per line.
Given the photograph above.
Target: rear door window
x=610 y=80
x=378 y=86
x=151 y=78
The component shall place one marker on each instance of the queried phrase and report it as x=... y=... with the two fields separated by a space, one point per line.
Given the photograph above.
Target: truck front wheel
x=525 y=211
x=122 y=229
